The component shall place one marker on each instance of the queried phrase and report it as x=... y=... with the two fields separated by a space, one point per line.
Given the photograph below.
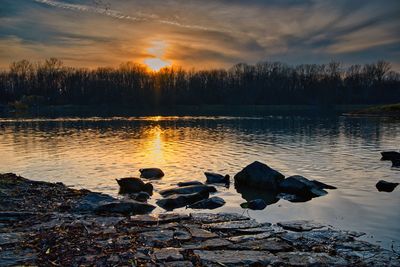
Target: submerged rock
x=215 y=178
x=188 y=190
x=149 y=173
x=189 y=183
x=390 y=155
x=386 y=186
x=211 y=203
x=259 y=175
x=256 y=204
x=134 y=185
x=126 y=208
x=178 y=201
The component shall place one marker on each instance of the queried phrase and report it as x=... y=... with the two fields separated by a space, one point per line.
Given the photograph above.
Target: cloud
x=201 y=34
x=106 y=11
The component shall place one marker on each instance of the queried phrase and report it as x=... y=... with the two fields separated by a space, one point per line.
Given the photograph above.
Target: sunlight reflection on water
x=92 y=152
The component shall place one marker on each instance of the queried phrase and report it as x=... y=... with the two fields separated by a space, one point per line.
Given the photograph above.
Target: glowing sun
x=156 y=62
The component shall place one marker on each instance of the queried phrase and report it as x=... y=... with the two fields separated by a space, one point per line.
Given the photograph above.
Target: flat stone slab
x=272 y=245
x=10 y=238
x=300 y=225
x=316 y=237
x=232 y=225
x=17 y=257
x=147 y=219
x=199 y=233
x=245 y=238
x=178 y=264
x=310 y=259
x=168 y=254
x=153 y=238
x=234 y=258
x=208 y=244
x=258 y=230
x=215 y=218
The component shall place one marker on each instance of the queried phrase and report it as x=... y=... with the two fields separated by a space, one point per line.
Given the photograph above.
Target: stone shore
x=49 y=224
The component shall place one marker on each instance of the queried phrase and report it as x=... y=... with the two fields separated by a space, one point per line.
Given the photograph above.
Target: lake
x=341 y=151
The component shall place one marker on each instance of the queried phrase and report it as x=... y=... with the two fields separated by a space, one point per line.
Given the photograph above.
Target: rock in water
x=189 y=183
x=149 y=173
x=141 y=196
x=323 y=185
x=256 y=204
x=134 y=185
x=301 y=186
x=125 y=208
x=215 y=178
x=390 y=155
x=395 y=162
x=188 y=190
x=259 y=175
x=211 y=203
x=178 y=201
x=386 y=186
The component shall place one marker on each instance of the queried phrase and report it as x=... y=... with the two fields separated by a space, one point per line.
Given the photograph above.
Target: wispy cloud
x=137 y=17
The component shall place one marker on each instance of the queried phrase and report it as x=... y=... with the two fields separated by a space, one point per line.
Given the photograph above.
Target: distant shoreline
x=178 y=110
x=391 y=110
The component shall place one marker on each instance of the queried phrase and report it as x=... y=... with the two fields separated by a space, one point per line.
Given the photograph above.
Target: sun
x=156 y=61
x=156 y=64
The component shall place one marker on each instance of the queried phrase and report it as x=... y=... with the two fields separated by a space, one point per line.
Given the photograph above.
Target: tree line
x=130 y=84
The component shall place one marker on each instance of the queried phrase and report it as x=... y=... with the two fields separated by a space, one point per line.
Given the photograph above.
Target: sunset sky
x=200 y=34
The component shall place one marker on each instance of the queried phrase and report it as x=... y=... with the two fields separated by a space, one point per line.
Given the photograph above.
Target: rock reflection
x=251 y=193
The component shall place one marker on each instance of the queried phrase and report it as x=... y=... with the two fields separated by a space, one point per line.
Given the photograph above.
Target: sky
x=199 y=34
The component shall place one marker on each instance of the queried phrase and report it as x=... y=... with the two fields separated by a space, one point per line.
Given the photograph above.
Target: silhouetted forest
x=52 y=83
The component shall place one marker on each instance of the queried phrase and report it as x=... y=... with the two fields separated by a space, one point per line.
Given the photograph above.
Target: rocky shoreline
x=49 y=224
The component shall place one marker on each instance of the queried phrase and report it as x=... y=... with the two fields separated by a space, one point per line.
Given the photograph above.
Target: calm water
x=341 y=151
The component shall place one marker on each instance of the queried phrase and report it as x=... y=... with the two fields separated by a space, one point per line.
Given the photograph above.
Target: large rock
x=191 y=189
x=301 y=186
x=386 y=186
x=134 y=185
x=395 y=162
x=211 y=203
x=151 y=173
x=259 y=175
x=390 y=155
x=178 y=201
x=125 y=208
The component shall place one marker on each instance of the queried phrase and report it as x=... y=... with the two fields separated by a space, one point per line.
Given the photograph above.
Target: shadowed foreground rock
x=39 y=226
